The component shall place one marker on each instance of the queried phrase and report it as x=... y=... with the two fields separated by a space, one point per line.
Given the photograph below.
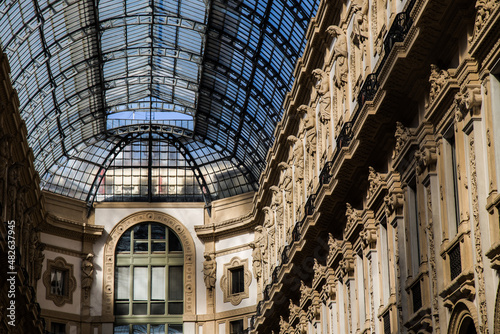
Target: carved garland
x=483 y=327
x=432 y=261
x=188 y=249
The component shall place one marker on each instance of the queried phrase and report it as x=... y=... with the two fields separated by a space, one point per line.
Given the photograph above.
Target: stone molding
x=225 y=282
x=189 y=251
x=60 y=263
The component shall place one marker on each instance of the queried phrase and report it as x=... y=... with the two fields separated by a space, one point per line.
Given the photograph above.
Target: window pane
x=121 y=309
x=122 y=275
x=124 y=243
x=237 y=280
x=123 y=329
x=57 y=280
x=158 y=308
x=157 y=231
x=158 y=247
x=236 y=327
x=141 y=246
x=157 y=329
x=140 y=283
x=158 y=283
x=140 y=329
x=174 y=244
x=175 y=283
x=174 y=308
x=175 y=329
x=139 y=309
x=141 y=231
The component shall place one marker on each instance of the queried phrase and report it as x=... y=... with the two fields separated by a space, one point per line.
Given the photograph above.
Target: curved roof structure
x=152 y=99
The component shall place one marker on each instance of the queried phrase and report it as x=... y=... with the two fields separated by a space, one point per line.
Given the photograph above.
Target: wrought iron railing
x=296 y=231
x=325 y=176
x=368 y=90
x=309 y=207
x=284 y=255
x=275 y=274
x=455 y=261
x=398 y=30
x=345 y=136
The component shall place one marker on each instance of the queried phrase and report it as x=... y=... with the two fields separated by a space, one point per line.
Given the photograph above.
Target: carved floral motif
x=402 y=135
x=437 y=80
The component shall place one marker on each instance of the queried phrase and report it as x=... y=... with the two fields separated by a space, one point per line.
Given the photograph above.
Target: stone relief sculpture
x=360 y=26
x=277 y=206
x=339 y=55
x=87 y=274
x=5 y=156
x=256 y=260
x=269 y=227
x=483 y=12
x=209 y=270
x=351 y=215
x=322 y=87
x=286 y=184
x=12 y=190
x=298 y=161
x=437 y=80
x=470 y=100
x=402 y=134
x=374 y=179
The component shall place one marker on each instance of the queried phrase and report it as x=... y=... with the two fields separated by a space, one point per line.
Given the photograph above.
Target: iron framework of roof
x=149 y=99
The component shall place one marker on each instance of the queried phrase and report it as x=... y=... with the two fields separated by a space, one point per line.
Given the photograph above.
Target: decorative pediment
x=305 y=292
x=352 y=216
x=334 y=246
x=294 y=310
x=319 y=271
x=437 y=80
x=402 y=135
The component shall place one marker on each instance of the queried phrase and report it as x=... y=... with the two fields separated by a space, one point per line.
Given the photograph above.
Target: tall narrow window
x=414 y=229
x=236 y=327
x=384 y=245
x=237 y=280
x=452 y=182
x=149 y=281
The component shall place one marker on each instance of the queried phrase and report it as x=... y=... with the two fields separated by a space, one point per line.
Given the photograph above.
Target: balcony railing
x=296 y=231
x=345 y=136
x=325 y=176
x=309 y=207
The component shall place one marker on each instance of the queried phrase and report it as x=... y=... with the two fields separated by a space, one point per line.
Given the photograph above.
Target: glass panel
x=236 y=327
x=175 y=329
x=121 y=309
x=123 y=329
x=141 y=231
x=158 y=247
x=175 y=283
x=158 y=308
x=175 y=308
x=174 y=244
x=124 y=243
x=157 y=329
x=158 y=283
x=122 y=283
x=141 y=246
x=237 y=280
x=140 y=329
x=157 y=231
x=140 y=283
x=139 y=309
x=57 y=282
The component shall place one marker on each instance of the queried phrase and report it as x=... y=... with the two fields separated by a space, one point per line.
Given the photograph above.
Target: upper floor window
x=149 y=282
x=451 y=177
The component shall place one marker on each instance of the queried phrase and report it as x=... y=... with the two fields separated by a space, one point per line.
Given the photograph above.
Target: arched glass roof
x=152 y=99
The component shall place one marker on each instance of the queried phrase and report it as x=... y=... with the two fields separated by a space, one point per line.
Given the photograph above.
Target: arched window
x=149 y=282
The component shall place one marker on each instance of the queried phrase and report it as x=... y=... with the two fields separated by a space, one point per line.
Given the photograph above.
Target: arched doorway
x=140 y=233
x=463 y=319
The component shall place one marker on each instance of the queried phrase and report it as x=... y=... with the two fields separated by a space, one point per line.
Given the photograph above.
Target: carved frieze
x=483 y=12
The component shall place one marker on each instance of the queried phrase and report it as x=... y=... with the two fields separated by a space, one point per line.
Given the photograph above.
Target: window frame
x=226 y=281
x=69 y=288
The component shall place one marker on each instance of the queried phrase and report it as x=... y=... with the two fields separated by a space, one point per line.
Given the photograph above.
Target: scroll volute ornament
x=483 y=12
x=469 y=100
x=393 y=202
x=329 y=290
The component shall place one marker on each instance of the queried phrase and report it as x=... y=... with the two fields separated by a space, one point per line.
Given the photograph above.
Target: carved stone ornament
x=368 y=235
x=322 y=87
x=333 y=245
x=209 y=270
x=339 y=55
x=437 y=80
x=360 y=26
x=468 y=101
x=483 y=12
x=87 y=274
x=425 y=158
x=352 y=216
x=375 y=180
x=318 y=270
x=329 y=290
x=294 y=309
x=225 y=281
x=402 y=135
x=305 y=292
x=284 y=326
x=393 y=201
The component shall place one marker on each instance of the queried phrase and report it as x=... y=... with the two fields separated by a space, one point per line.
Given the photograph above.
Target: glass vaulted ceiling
x=152 y=99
